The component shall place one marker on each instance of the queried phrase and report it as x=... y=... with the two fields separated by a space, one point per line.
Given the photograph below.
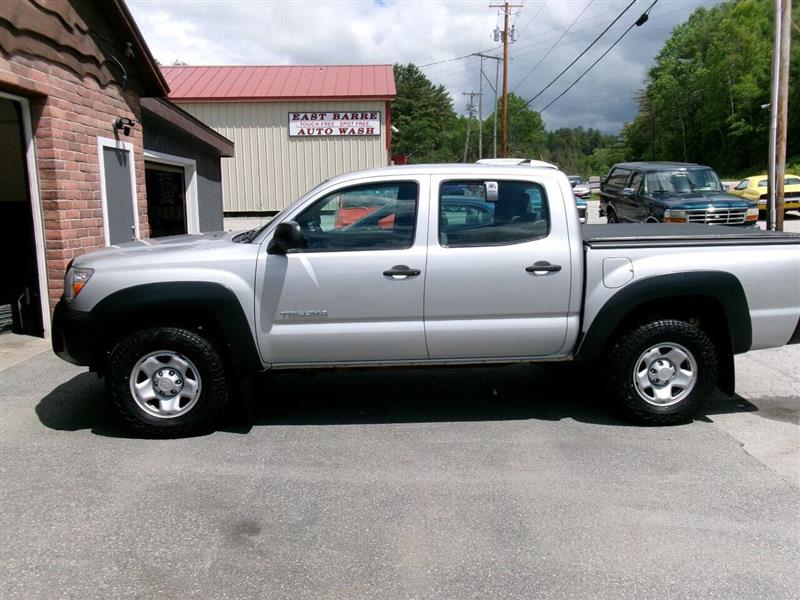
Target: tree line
x=704 y=98
x=430 y=131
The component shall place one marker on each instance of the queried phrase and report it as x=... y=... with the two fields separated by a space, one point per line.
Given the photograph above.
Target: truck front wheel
x=661 y=372
x=167 y=382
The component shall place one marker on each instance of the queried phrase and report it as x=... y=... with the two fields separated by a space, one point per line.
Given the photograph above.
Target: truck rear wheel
x=167 y=382
x=661 y=372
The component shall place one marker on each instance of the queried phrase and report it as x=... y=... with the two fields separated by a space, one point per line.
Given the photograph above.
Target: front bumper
x=75 y=334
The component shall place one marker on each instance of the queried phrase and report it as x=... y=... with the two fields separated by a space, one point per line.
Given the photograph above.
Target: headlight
x=674 y=216
x=75 y=280
x=751 y=215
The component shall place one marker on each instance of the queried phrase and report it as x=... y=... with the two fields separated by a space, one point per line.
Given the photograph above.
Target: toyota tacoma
x=462 y=264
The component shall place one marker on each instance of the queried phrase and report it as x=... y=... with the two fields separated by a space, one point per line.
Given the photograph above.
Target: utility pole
x=470 y=114
x=480 y=113
x=495 y=88
x=779 y=106
x=507 y=36
x=496 y=85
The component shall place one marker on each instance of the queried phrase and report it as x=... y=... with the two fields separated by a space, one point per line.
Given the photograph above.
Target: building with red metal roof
x=293 y=126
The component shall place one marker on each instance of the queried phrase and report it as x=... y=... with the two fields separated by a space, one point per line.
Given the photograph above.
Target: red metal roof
x=274 y=83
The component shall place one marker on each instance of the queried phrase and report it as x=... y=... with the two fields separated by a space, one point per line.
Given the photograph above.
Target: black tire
x=622 y=367
x=611 y=216
x=213 y=390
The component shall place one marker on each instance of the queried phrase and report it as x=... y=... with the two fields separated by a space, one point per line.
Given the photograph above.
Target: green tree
x=527 y=137
x=703 y=97
x=423 y=113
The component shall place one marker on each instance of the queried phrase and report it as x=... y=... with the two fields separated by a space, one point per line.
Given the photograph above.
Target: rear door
x=498 y=286
x=355 y=294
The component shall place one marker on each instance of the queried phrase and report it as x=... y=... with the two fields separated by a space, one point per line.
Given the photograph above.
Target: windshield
x=683 y=181
x=576 y=180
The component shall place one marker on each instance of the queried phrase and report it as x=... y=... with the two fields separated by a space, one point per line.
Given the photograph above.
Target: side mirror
x=603 y=180
x=287 y=237
x=627 y=192
x=573 y=183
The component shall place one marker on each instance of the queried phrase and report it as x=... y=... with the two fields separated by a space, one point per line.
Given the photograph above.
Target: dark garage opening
x=166 y=199
x=20 y=302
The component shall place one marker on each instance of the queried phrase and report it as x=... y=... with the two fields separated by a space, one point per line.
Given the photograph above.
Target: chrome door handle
x=542 y=267
x=403 y=271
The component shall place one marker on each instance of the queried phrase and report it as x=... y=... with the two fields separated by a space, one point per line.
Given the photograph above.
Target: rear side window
x=470 y=215
x=618 y=177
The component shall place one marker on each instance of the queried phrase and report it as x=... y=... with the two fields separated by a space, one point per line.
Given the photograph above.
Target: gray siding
x=271 y=169
x=162 y=137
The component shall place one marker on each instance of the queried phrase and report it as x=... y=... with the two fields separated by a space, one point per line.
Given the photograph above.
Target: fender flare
x=724 y=288
x=123 y=308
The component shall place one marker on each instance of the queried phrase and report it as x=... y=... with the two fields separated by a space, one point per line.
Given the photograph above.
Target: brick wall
x=68 y=114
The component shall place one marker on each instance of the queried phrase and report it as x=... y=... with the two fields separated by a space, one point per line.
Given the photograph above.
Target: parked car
x=580 y=187
x=755 y=188
x=583 y=209
x=177 y=325
x=662 y=192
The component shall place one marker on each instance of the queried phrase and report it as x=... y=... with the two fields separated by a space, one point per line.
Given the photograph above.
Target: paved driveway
x=465 y=483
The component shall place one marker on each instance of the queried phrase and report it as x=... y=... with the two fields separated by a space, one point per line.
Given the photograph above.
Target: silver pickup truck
x=427 y=265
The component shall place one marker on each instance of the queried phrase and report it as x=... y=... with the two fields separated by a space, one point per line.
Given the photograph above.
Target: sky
x=239 y=32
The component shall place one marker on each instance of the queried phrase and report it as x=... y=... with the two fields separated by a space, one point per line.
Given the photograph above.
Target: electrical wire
x=577 y=58
x=529 y=21
x=557 y=42
x=640 y=21
x=439 y=62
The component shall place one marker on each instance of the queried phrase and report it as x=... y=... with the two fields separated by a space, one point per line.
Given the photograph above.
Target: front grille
x=717 y=216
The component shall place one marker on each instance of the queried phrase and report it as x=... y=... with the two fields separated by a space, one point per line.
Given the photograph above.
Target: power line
x=577 y=58
x=538 y=12
x=575 y=38
x=640 y=21
x=558 y=41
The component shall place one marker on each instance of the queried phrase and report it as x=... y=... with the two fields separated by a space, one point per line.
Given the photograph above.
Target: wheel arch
x=210 y=309
x=714 y=300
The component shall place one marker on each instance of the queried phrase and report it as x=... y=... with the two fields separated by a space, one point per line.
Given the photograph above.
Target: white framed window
x=117 y=219
x=189 y=167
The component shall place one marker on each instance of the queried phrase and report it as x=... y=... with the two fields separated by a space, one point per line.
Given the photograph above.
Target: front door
x=118 y=190
x=498 y=286
x=355 y=294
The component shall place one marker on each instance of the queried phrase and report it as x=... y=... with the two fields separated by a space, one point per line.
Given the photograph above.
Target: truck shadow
x=330 y=397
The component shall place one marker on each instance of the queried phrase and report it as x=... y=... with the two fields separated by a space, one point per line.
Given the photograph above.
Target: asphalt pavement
x=509 y=482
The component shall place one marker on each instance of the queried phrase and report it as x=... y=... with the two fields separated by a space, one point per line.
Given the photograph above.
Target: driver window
x=380 y=216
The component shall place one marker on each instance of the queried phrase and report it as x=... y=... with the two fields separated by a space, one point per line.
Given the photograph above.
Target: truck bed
x=658 y=235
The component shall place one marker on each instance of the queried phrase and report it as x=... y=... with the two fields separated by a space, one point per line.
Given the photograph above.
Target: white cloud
x=342 y=32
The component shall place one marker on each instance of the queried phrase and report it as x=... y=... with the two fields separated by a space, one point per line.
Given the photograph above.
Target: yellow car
x=755 y=188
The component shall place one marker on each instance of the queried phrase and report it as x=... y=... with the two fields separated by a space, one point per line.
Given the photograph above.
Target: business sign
x=334 y=124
